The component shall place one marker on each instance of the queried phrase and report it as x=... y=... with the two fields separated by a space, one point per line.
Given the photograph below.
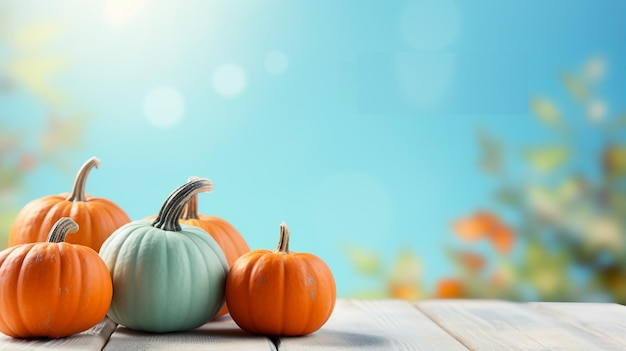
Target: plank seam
x=109 y=337
x=275 y=342
x=416 y=305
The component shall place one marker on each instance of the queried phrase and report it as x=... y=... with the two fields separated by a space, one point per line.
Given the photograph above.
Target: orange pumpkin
x=53 y=288
x=97 y=217
x=227 y=237
x=279 y=292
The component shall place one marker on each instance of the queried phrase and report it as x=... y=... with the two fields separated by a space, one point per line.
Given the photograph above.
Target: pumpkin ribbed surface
x=278 y=292
x=52 y=289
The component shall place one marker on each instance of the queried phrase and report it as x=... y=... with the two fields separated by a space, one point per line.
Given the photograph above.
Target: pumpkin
x=227 y=237
x=279 y=292
x=166 y=276
x=96 y=217
x=53 y=288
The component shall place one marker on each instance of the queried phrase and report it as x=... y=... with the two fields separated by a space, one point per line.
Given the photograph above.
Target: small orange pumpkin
x=97 y=217
x=279 y=292
x=53 y=288
x=227 y=237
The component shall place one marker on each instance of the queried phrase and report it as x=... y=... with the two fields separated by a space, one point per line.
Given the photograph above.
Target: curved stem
x=173 y=206
x=78 y=191
x=61 y=228
x=191 y=209
x=283 y=241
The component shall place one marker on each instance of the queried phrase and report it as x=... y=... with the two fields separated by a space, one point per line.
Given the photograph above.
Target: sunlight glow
x=118 y=13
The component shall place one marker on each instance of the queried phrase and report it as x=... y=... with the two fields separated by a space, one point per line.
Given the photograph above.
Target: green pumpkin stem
x=191 y=209
x=283 y=241
x=78 y=191
x=61 y=228
x=169 y=215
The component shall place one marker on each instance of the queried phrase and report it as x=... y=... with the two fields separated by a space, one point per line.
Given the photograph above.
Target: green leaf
x=548 y=158
x=575 y=86
x=547 y=112
x=490 y=158
x=10 y=178
x=617 y=124
x=364 y=261
x=508 y=196
x=6 y=220
x=614 y=160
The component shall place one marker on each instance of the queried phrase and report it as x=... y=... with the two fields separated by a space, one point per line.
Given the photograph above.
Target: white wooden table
x=387 y=325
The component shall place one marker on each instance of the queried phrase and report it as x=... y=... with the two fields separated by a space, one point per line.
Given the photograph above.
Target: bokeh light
x=229 y=80
x=276 y=62
x=164 y=107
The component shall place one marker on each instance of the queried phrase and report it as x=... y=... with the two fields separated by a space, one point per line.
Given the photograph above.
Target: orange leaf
x=404 y=291
x=472 y=261
x=475 y=227
x=449 y=288
x=484 y=224
x=502 y=238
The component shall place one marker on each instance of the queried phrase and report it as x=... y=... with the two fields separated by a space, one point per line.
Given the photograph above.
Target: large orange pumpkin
x=279 y=292
x=53 y=288
x=227 y=237
x=96 y=217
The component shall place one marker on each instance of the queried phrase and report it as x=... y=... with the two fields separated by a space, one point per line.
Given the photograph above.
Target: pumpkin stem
x=191 y=209
x=78 y=191
x=169 y=215
x=60 y=229
x=283 y=241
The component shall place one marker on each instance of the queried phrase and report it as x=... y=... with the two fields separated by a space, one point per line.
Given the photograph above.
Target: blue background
x=362 y=131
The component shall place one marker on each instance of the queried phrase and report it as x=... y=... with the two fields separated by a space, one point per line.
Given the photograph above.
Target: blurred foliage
x=564 y=236
x=28 y=69
x=570 y=243
x=401 y=280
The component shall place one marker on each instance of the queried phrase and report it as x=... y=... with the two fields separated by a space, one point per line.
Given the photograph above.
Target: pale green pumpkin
x=166 y=277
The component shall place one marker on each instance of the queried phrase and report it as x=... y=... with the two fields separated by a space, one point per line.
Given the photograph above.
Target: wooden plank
x=606 y=319
x=501 y=325
x=221 y=334
x=92 y=339
x=374 y=325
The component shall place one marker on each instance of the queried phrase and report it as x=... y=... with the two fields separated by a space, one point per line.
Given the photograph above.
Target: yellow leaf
x=405 y=276
x=547 y=159
x=575 y=86
x=407 y=267
x=36 y=75
x=36 y=35
x=546 y=111
x=364 y=261
x=594 y=69
x=614 y=160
